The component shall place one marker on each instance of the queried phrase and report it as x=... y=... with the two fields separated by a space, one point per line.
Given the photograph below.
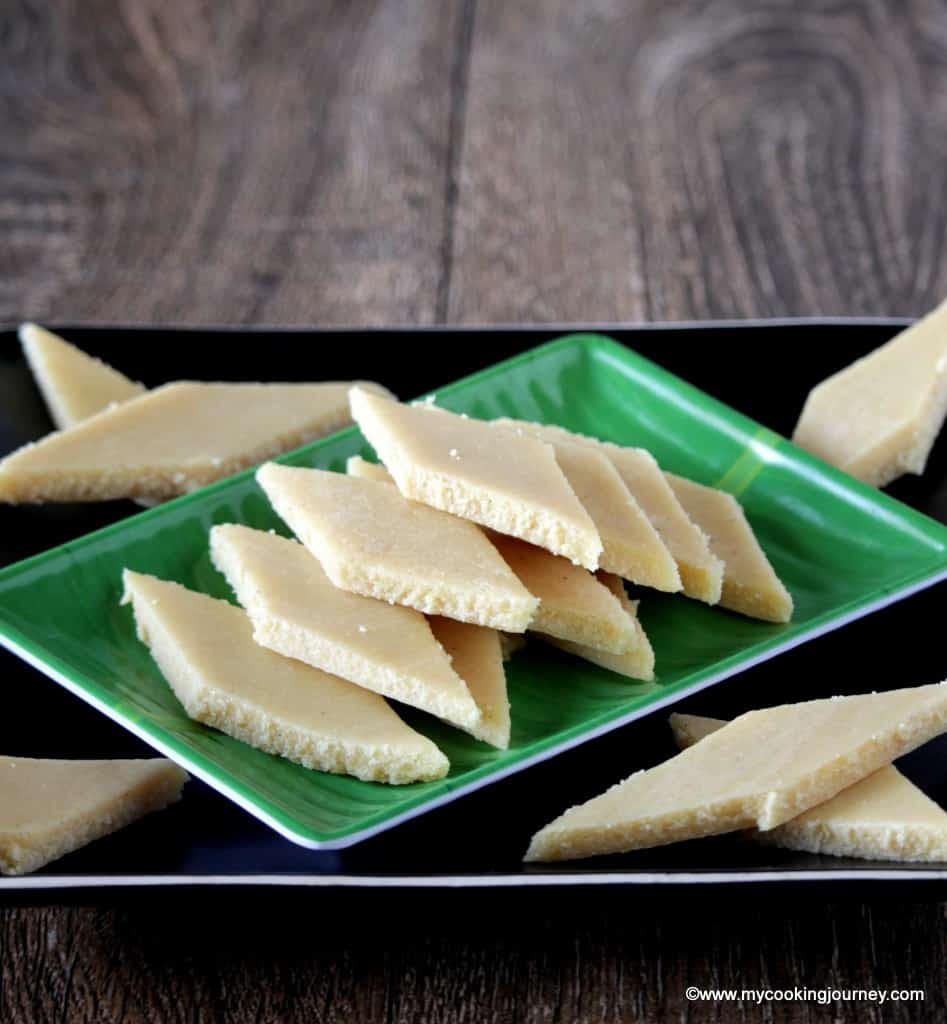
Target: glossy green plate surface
x=843 y=550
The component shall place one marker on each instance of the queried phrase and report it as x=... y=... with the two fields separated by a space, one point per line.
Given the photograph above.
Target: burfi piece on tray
x=297 y=611
x=500 y=479
x=223 y=678
x=750 y=584
x=879 y=417
x=172 y=440
x=476 y=656
x=573 y=604
x=882 y=817
x=700 y=572
x=373 y=541
x=49 y=808
x=631 y=546
x=760 y=770
x=635 y=663
x=74 y=385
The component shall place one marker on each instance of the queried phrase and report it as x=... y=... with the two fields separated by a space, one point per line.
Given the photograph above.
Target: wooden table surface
x=423 y=161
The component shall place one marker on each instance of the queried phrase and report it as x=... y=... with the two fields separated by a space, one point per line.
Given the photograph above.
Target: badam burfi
x=575 y=609
x=172 y=440
x=750 y=584
x=573 y=604
x=879 y=417
x=701 y=574
x=476 y=655
x=49 y=808
x=373 y=541
x=759 y=771
x=637 y=662
x=223 y=678
x=297 y=611
x=74 y=385
x=882 y=817
x=499 y=479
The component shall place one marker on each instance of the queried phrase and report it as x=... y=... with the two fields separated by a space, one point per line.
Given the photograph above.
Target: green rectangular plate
x=842 y=548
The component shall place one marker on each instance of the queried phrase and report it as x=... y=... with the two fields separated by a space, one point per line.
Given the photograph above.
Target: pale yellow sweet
x=760 y=770
x=476 y=655
x=878 y=418
x=172 y=440
x=631 y=547
x=49 y=808
x=701 y=573
x=223 y=678
x=576 y=610
x=635 y=663
x=573 y=605
x=502 y=480
x=74 y=385
x=297 y=611
x=882 y=817
x=750 y=584
x=373 y=541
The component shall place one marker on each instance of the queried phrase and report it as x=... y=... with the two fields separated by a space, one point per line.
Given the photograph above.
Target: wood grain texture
x=652 y=160
x=521 y=959
x=230 y=163
x=414 y=161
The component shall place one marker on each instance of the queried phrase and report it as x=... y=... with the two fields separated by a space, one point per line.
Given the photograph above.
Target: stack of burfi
x=411 y=582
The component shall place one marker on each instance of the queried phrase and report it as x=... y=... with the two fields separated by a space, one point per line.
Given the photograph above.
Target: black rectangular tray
x=762 y=368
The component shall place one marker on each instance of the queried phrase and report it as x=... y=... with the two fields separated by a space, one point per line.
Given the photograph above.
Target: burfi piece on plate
x=297 y=611
x=879 y=417
x=573 y=604
x=223 y=678
x=172 y=440
x=49 y=808
x=700 y=572
x=74 y=385
x=499 y=479
x=476 y=655
x=373 y=541
x=750 y=584
x=635 y=663
x=759 y=771
x=631 y=546
x=882 y=817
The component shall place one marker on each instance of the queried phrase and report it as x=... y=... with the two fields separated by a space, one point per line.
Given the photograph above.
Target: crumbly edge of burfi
x=615 y=636
x=475 y=605
x=499 y=512
x=555 y=842
x=28 y=850
x=702 y=581
x=776 y=607
x=255 y=726
x=636 y=663
x=901 y=843
x=907 y=449
x=649 y=567
x=30 y=486
x=492 y=730
x=259 y=728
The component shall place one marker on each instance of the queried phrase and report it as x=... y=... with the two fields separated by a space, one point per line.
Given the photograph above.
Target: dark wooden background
x=427 y=161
